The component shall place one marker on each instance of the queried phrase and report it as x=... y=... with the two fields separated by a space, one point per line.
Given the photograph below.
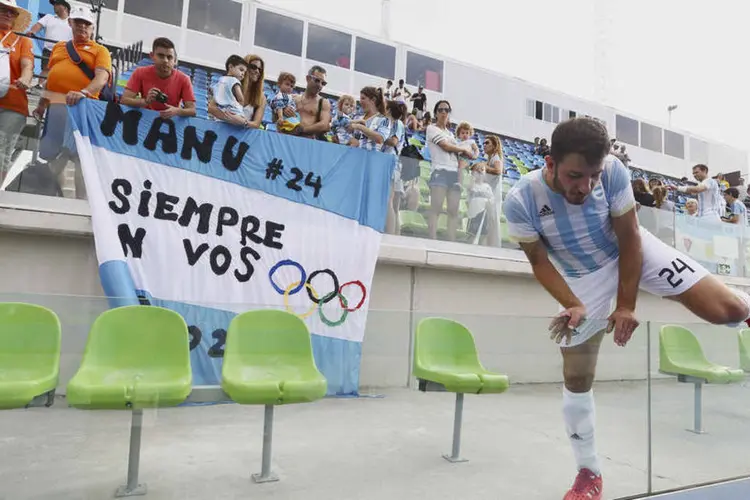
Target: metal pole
x=698 y=416
x=457 y=418
x=649 y=444
x=266 y=475
x=132 y=488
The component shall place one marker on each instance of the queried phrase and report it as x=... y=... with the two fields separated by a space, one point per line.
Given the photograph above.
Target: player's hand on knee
x=564 y=323
x=623 y=322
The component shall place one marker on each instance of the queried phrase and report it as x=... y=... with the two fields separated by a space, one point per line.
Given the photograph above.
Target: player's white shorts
x=665 y=272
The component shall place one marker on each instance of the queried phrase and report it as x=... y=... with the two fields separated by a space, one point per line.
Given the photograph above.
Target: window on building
x=423 y=70
x=165 y=11
x=329 y=46
x=539 y=111
x=376 y=59
x=627 y=130
x=530 y=108
x=547 y=112
x=216 y=17
x=651 y=137
x=698 y=150
x=674 y=144
x=555 y=114
x=276 y=32
x=571 y=114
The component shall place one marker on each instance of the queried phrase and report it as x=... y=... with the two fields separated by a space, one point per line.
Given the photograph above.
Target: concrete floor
x=377 y=448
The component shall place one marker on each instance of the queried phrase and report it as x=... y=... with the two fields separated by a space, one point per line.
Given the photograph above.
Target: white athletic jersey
x=710 y=201
x=579 y=238
x=738 y=208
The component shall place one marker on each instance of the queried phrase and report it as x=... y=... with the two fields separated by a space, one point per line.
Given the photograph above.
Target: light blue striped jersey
x=223 y=92
x=579 y=238
x=738 y=208
x=710 y=201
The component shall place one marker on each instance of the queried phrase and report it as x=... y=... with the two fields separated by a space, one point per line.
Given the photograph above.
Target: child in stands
x=343 y=119
x=284 y=99
x=464 y=131
x=227 y=92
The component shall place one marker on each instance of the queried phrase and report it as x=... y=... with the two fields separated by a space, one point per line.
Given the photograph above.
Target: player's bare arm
x=623 y=320
x=549 y=277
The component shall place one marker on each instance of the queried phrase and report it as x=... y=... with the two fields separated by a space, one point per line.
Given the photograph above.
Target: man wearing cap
x=56 y=28
x=67 y=83
x=16 y=70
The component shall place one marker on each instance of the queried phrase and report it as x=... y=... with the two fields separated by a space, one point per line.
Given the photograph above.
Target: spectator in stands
x=542 y=149
x=661 y=202
x=482 y=208
x=464 y=133
x=493 y=148
x=412 y=124
x=401 y=93
x=314 y=109
x=653 y=183
x=254 y=104
x=420 y=102
x=161 y=86
x=340 y=125
x=444 y=183
x=14 y=103
x=736 y=211
x=691 y=207
x=227 y=91
x=536 y=143
x=56 y=29
x=284 y=99
x=370 y=131
x=388 y=94
x=641 y=193
x=394 y=143
x=426 y=121
x=67 y=84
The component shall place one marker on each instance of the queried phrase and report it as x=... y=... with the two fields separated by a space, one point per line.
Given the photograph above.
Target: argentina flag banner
x=210 y=221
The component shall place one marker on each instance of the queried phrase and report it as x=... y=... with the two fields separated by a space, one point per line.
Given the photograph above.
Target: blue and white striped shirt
x=579 y=238
x=710 y=201
x=738 y=208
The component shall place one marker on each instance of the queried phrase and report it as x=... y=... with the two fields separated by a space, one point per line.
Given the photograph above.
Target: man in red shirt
x=161 y=87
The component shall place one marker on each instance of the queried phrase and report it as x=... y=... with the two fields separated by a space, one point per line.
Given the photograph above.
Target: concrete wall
x=508 y=313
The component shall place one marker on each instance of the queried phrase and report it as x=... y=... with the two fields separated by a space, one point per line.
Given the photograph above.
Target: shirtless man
x=314 y=110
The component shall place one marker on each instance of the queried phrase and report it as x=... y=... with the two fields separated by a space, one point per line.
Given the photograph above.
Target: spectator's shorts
x=665 y=272
x=419 y=113
x=445 y=178
x=57 y=134
x=45 y=58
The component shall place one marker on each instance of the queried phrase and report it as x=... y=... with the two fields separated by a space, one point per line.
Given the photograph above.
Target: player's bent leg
x=713 y=301
x=579 y=413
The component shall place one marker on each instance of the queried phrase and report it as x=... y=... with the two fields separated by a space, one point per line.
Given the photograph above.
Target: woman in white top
x=444 y=184
x=494 y=171
x=252 y=92
x=396 y=113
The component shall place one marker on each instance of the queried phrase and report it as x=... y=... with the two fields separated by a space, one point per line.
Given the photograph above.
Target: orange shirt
x=16 y=100
x=65 y=76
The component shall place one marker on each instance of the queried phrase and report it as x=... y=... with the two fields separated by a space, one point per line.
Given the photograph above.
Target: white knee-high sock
x=580 y=419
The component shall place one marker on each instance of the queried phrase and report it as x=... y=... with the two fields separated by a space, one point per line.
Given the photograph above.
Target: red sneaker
x=587 y=486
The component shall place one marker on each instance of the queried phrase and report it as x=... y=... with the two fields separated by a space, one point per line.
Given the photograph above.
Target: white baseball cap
x=82 y=13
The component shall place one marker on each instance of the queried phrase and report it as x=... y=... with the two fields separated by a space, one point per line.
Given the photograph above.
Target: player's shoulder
x=522 y=189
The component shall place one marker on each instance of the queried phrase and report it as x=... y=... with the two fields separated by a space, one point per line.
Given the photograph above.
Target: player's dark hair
x=583 y=136
x=733 y=192
x=235 y=60
x=701 y=167
x=163 y=42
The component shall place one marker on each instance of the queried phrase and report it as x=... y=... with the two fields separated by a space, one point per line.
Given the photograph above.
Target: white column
x=385 y=19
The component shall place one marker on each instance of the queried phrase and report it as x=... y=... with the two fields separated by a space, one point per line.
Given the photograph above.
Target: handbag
x=108 y=92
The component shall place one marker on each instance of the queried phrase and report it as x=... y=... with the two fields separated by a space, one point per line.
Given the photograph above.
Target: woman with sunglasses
x=254 y=98
x=444 y=183
x=494 y=170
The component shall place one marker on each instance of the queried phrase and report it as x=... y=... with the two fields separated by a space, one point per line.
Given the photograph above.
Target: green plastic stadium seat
x=135 y=357
x=412 y=223
x=268 y=360
x=444 y=353
x=744 y=340
x=29 y=354
x=680 y=353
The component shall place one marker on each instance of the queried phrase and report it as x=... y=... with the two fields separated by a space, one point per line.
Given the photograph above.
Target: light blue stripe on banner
x=350 y=182
x=118 y=284
x=338 y=360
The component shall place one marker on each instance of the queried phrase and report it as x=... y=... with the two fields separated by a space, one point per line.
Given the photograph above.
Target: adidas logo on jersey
x=546 y=210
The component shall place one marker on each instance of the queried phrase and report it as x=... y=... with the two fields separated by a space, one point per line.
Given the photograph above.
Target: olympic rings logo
x=305 y=282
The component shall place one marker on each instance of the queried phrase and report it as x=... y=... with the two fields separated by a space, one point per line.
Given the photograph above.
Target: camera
x=161 y=97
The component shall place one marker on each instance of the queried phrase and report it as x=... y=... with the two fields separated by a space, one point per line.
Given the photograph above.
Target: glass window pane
x=530 y=107
x=674 y=144
x=375 y=58
x=276 y=32
x=423 y=70
x=216 y=17
x=650 y=137
x=547 y=112
x=329 y=46
x=555 y=114
x=539 y=110
x=571 y=114
x=627 y=130
x=165 y=11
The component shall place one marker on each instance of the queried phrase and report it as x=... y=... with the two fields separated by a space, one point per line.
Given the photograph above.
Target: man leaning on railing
x=16 y=71
x=78 y=69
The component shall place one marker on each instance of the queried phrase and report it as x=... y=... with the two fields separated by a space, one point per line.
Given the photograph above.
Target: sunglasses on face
x=319 y=81
x=255 y=67
x=444 y=110
x=486 y=143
